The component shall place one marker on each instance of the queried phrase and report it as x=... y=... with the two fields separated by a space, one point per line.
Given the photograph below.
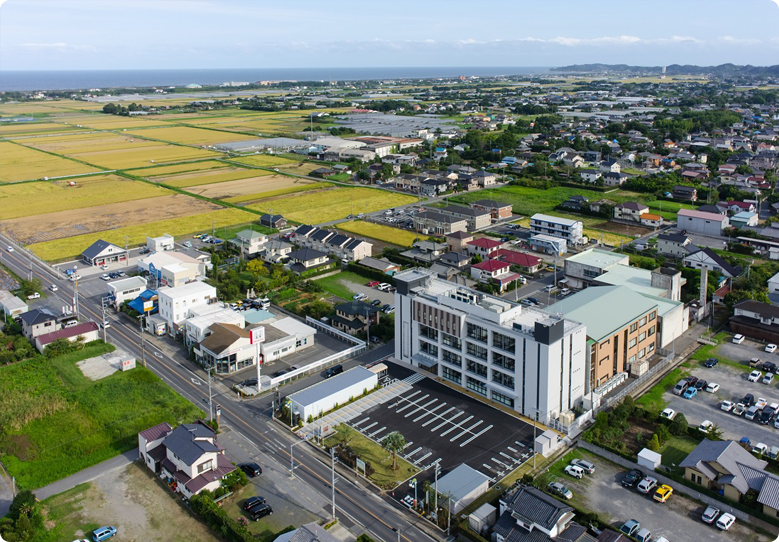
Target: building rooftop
x=598 y=258
x=332 y=385
x=129 y=283
x=461 y=482
x=700 y=214
x=554 y=219
x=636 y=278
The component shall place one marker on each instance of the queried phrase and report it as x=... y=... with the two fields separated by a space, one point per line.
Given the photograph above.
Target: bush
x=217 y=519
x=654 y=443
x=679 y=425
x=662 y=433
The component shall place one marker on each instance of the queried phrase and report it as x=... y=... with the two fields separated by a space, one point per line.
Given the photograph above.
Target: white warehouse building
x=521 y=357
x=337 y=390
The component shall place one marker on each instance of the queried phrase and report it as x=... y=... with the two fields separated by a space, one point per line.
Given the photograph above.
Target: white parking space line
x=421 y=407
x=510 y=458
x=476 y=435
x=471 y=428
x=438 y=416
x=509 y=448
x=412 y=403
x=409 y=443
x=415 y=451
x=457 y=426
x=428 y=454
x=501 y=463
x=360 y=422
x=369 y=426
x=377 y=432
x=458 y=435
x=429 y=412
x=466 y=431
x=450 y=420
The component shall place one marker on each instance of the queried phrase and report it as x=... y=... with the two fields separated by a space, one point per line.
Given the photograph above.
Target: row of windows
x=504 y=399
x=476 y=351
x=476 y=385
x=450 y=340
x=451 y=374
x=429 y=349
x=503 y=379
x=428 y=332
x=476 y=368
x=476 y=332
x=502 y=361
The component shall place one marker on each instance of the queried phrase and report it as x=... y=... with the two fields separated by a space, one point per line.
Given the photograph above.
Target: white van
x=752 y=412
x=384 y=286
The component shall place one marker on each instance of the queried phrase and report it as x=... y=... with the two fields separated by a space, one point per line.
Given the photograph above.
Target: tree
x=679 y=425
x=28 y=287
x=394 y=443
x=654 y=443
x=714 y=433
x=257 y=268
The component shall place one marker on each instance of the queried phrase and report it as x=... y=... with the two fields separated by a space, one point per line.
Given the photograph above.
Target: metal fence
x=638 y=382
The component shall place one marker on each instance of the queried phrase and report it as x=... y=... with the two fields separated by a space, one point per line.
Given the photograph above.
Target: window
x=475 y=385
x=476 y=351
x=476 y=332
x=503 y=361
x=503 y=379
x=590 y=273
x=633 y=327
x=476 y=368
x=650 y=348
x=429 y=349
x=449 y=340
x=652 y=316
x=642 y=322
x=203 y=467
x=451 y=357
x=428 y=332
x=642 y=353
x=451 y=374
x=503 y=342
x=632 y=358
x=506 y=400
x=651 y=331
x=632 y=343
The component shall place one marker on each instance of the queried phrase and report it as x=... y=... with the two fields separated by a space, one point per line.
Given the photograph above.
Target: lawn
x=55 y=196
x=332 y=204
x=712 y=351
x=382 y=233
x=371 y=452
x=676 y=449
x=19 y=163
x=653 y=400
x=71 y=247
x=55 y=422
x=337 y=284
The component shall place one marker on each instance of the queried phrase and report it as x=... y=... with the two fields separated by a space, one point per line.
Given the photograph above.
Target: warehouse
x=324 y=396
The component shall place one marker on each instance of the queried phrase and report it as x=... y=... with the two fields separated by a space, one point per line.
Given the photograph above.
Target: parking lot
x=733 y=387
x=444 y=426
x=677 y=520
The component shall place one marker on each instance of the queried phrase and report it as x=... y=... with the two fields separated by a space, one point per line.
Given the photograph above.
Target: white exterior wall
x=702 y=226
x=672 y=325
x=340 y=397
x=175 y=303
x=122 y=294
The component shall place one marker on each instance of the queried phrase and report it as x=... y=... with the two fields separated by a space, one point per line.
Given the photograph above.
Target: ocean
x=86 y=79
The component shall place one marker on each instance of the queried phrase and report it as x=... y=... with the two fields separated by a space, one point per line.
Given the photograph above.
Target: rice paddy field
x=380 y=232
x=191 y=136
x=330 y=205
x=257 y=196
x=266 y=160
x=100 y=121
x=55 y=196
x=70 y=247
x=209 y=176
x=251 y=186
x=12 y=129
x=195 y=165
x=18 y=163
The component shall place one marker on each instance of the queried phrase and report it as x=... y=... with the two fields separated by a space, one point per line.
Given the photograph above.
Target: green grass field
x=676 y=449
x=336 y=284
x=55 y=422
x=653 y=399
x=380 y=232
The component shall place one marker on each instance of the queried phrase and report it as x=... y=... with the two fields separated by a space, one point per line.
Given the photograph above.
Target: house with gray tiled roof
x=727 y=468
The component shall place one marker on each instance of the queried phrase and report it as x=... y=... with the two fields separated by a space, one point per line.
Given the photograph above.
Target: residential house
x=530 y=515
x=494 y=271
x=198 y=325
x=10 y=305
x=87 y=332
x=188 y=458
x=601 y=205
x=725 y=467
x=476 y=218
x=355 y=316
x=425 y=251
x=743 y=219
x=705 y=258
x=436 y=223
x=673 y=244
x=102 y=252
x=276 y=251
x=497 y=209
x=575 y=203
x=307 y=259
x=685 y=193
x=630 y=211
x=332 y=242
x=175 y=304
x=614 y=179
x=741 y=206
x=273 y=221
x=756 y=320
x=433 y=187
x=409 y=182
x=323 y=172
x=609 y=166
x=710 y=224
x=564 y=228
x=250 y=242
x=467 y=183
x=590 y=175
x=37 y=322
x=382 y=265
x=485 y=179
x=483 y=247
x=773 y=284
x=458 y=241
x=457 y=260
x=651 y=220
x=526 y=262
x=226 y=348
x=125 y=289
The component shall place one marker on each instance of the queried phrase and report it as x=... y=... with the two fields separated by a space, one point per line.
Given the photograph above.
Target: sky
x=192 y=34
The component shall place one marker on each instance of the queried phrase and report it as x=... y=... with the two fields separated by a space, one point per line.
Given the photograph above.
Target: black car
x=251 y=502
x=249 y=382
x=385 y=306
x=334 y=370
x=632 y=478
x=279 y=373
x=748 y=400
x=251 y=469
x=376 y=302
x=533 y=300
x=711 y=362
x=769 y=367
x=260 y=511
x=691 y=380
x=700 y=384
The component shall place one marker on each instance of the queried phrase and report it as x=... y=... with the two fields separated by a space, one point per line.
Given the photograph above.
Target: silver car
x=588 y=467
x=560 y=490
x=710 y=514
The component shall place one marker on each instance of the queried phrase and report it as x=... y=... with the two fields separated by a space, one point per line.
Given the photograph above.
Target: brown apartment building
x=622 y=328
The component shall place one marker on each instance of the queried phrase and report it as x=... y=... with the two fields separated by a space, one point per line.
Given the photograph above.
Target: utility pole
x=210 y=396
x=332 y=476
x=535 y=421
x=102 y=304
x=435 y=490
x=143 y=344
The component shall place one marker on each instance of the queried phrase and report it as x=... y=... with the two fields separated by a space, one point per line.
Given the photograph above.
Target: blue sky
x=165 y=34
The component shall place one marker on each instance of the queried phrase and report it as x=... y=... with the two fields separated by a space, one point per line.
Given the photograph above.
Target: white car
x=710 y=514
x=738 y=338
x=768 y=378
x=770 y=348
x=725 y=521
x=761 y=403
x=705 y=426
x=727 y=406
x=646 y=485
x=712 y=387
x=104 y=276
x=668 y=414
x=34 y=295
x=10 y=248
x=754 y=376
x=759 y=448
x=53 y=288
x=573 y=470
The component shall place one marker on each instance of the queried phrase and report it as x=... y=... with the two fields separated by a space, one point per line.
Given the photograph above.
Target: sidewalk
x=87 y=475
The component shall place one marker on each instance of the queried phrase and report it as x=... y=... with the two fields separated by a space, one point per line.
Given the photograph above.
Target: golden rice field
x=153 y=170
x=86 y=142
x=197 y=178
x=274 y=193
x=114 y=122
x=265 y=160
x=382 y=233
x=190 y=136
x=248 y=185
x=71 y=247
x=54 y=196
x=19 y=163
x=11 y=129
x=332 y=204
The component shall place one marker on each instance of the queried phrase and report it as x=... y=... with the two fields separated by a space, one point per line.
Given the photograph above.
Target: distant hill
x=723 y=70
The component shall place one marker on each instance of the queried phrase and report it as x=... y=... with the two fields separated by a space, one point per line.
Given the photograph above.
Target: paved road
x=87 y=475
x=356 y=505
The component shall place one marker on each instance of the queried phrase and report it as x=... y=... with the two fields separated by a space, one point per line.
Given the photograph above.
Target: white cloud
x=747 y=41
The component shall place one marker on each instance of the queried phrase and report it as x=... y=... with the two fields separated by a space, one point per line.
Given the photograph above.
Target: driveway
x=677 y=520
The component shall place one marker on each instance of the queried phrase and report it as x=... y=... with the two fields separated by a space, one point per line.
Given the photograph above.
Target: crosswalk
x=413 y=379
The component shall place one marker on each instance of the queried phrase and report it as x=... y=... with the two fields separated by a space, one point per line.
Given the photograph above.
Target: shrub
x=654 y=443
x=662 y=433
x=679 y=425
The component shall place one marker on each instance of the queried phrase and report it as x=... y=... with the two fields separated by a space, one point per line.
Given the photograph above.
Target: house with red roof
x=527 y=262
x=483 y=247
x=494 y=271
x=87 y=330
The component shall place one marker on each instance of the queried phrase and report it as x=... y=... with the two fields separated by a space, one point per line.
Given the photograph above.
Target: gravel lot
x=733 y=386
x=677 y=520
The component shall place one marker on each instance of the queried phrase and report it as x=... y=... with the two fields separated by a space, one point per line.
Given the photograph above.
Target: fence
x=637 y=383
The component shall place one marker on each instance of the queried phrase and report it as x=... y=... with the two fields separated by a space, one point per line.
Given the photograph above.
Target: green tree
x=394 y=443
x=654 y=443
x=28 y=287
x=714 y=433
x=257 y=268
x=679 y=425
x=663 y=434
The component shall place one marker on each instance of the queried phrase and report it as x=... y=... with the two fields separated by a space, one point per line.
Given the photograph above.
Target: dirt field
x=129 y=499
x=210 y=176
x=36 y=229
x=251 y=185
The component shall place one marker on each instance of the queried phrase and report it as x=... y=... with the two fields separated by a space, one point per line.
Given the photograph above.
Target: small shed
x=463 y=485
x=483 y=518
x=649 y=459
x=547 y=442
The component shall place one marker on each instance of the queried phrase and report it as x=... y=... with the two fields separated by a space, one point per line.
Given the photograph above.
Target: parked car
x=334 y=370
x=700 y=384
x=668 y=414
x=259 y=512
x=663 y=493
x=739 y=409
x=103 y=533
x=751 y=412
x=389 y=310
x=705 y=426
x=646 y=485
x=768 y=378
x=690 y=392
x=691 y=380
x=769 y=367
x=533 y=300
x=711 y=362
x=251 y=502
x=527 y=302
x=727 y=406
x=748 y=400
x=761 y=403
x=759 y=448
x=681 y=387
x=251 y=469
x=373 y=283
x=738 y=338
x=560 y=490
x=34 y=295
x=573 y=470
x=710 y=514
x=105 y=276
x=770 y=348
x=712 y=387
x=376 y=302
x=643 y=535
x=725 y=521
x=630 y=527
x=586 y=466
x=754 y=376
x=632 y=478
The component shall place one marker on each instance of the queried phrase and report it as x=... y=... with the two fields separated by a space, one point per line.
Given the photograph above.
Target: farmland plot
x=21 y=163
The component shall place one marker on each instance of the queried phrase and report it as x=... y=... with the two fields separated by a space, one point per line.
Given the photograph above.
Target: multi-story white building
x=564 y=228
x=175 y=303
x=518 y=356
x=126 y=289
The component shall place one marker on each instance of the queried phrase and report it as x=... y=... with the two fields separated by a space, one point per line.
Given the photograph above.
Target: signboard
x=148 y=305
x=128 y=364
x=257 y=335
x=361 y=466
